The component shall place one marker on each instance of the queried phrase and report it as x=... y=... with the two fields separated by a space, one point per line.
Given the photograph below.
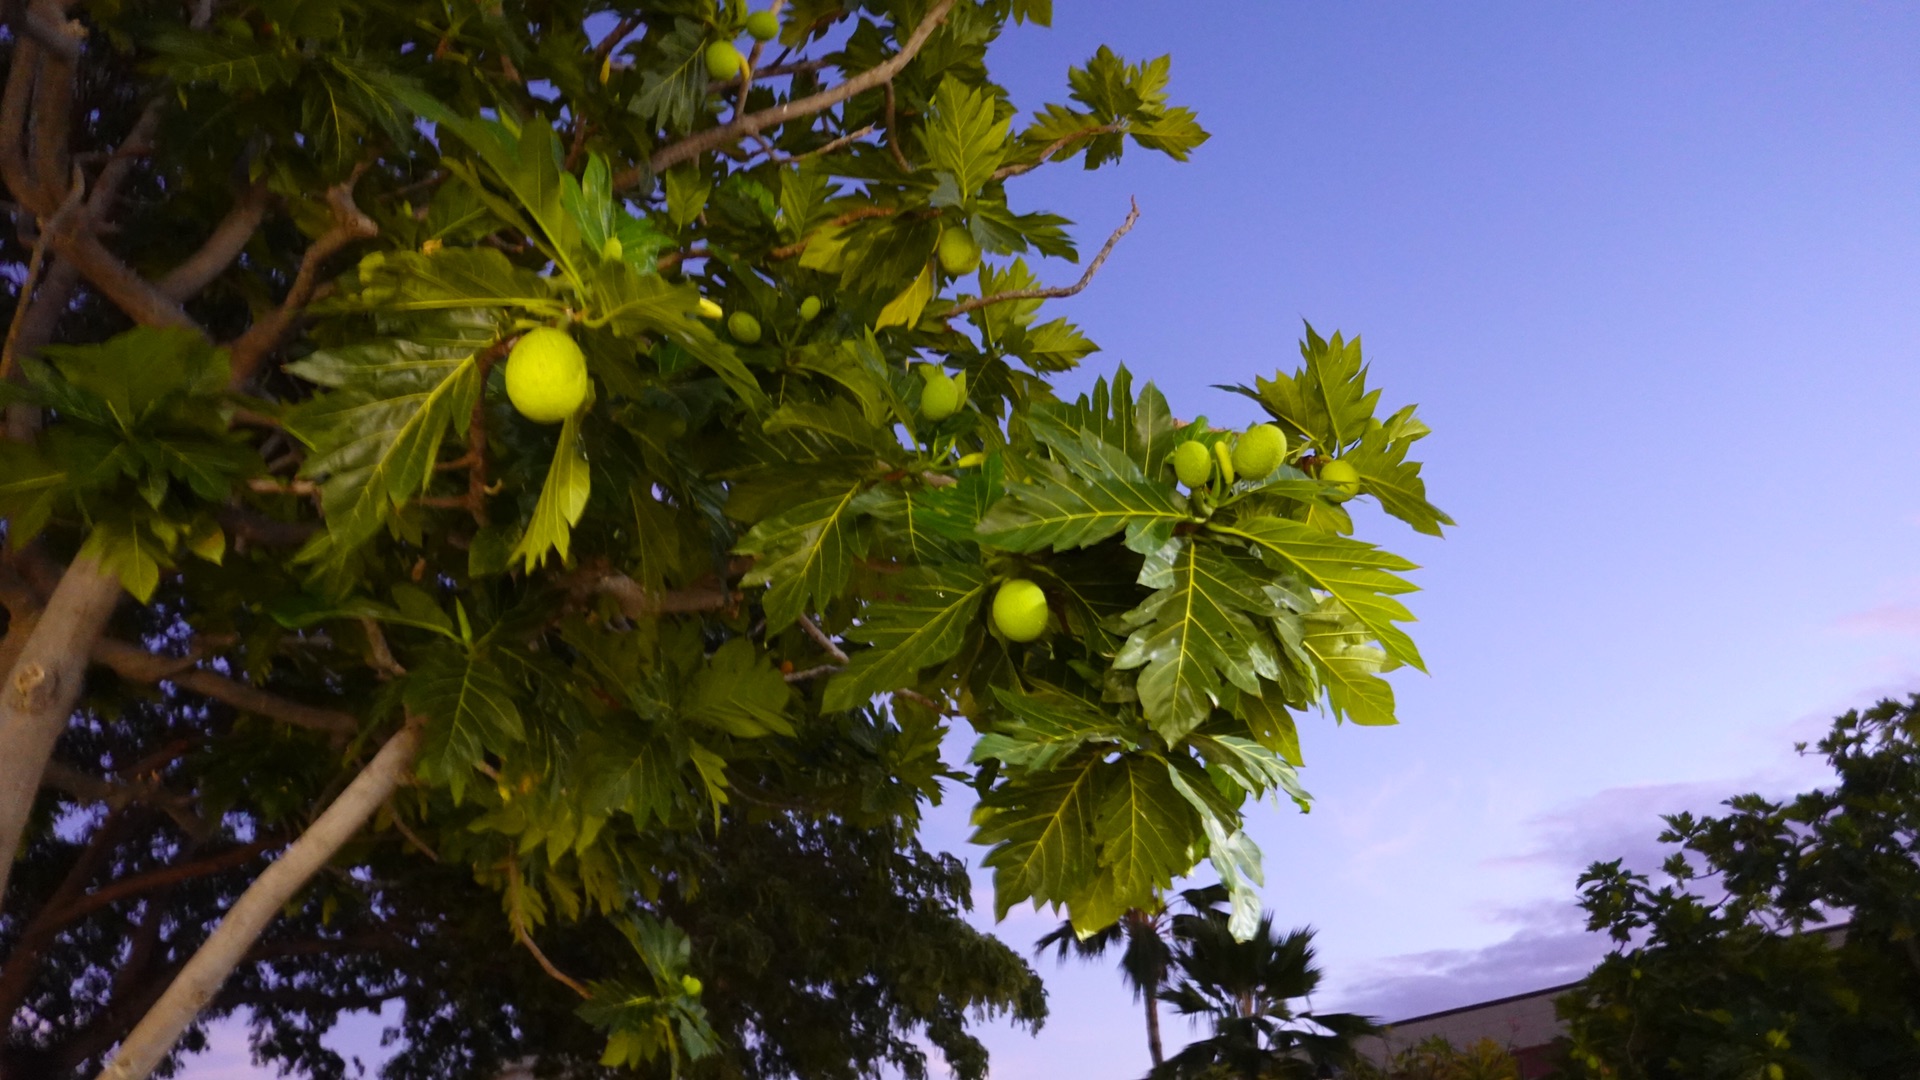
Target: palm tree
x=1146 y=949
x=1245 y=990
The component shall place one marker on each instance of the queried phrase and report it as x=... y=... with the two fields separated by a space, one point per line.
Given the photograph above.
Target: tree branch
x=520 y=934
x=693 y=146
x=42 y=686
x=61 y=40
x=1055 y=293
x=1055 y=147
x=251 y=349
x=819 y=636
x=24 y=299
x=134 y=295
x=135 y=663
x=893 y=134
x=53 y=94
x=222 y=246
x=160 y=1029
x=172 y=874
x=15 y=105
x=637 y=603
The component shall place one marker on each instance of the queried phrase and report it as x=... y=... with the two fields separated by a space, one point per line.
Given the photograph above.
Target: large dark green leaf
x=1359 y=575
x=1194 y=636
x=935 y=608
x=470 y=712
x=1387 y=475
x=375 y=435
x=963 y=136
x=1040 y=827
x=805 y=554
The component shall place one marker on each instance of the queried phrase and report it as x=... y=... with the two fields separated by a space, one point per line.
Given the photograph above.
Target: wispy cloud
x=1896 y=618
x=1547 y=943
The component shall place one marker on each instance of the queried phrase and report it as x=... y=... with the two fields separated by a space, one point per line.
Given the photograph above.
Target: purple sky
x=1652 y=273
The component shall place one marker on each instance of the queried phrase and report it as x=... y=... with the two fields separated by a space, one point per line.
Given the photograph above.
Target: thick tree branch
x=221 y=248
x=693 y=146
x=53 y=95
x=24 y=299
x=113 y=176
x=251 y=349
x=41 y=688
x=15 y=107
x=637 y=603
x=1055 y=293
x=58 y=39
x=134 y=295
x=154 y=1037
x=135 y=663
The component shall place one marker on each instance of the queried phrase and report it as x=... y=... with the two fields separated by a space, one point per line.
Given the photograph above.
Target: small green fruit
x=1020 y=610
x=744 y=328
x=546 y=376
x=1193 y=463
x=941 y=398
x=1258 y=452
x=971 y=461
x=691 y=985
x=710 y=310
x=1341 y=475
x=763 y=25
x=809 y=308
x=723 y=60
x=958 y=252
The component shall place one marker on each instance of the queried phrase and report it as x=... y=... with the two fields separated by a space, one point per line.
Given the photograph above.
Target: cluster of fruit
x=1254 y=455
x=724 y=61
x=547 y=373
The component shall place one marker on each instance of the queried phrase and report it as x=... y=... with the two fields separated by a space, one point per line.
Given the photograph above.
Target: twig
x=893 y=134
x=813 y=631
x=400 y=827
x=1055 y=147
x=674 y=258
x=812 y=673
x=477 y=432
x=382 y=657
x=924 y=701
x=35 y=262
x=267 y=485
x=1055 y=293
x=693 y=146
x=827 y=148
x=612 y=41
x=788 y=251
x=250 y=349
x=772 y=71
x=133 y=662
x=546 y=965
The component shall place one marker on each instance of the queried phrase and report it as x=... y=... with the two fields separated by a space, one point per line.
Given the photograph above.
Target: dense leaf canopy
x=743 y=592
x=1734 y=966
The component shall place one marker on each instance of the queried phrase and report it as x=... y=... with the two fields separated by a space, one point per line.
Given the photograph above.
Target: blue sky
x=1652 y=272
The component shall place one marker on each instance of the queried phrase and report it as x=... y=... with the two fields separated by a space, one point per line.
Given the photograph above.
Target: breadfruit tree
x=583 y=421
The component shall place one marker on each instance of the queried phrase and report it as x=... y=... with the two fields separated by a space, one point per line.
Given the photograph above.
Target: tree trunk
x=154 y=1037
x=1153 y=1027
x=41 y=688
